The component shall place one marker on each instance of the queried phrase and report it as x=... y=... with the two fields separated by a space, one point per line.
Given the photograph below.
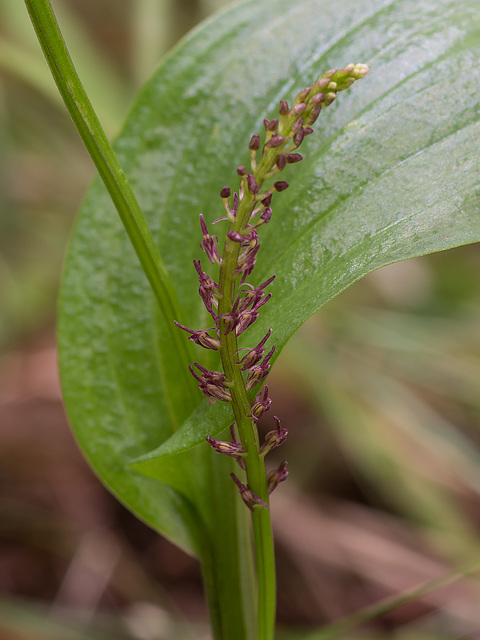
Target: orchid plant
x=390 y=178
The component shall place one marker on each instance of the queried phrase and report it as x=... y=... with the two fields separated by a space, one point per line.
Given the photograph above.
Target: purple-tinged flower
x=233 y=448
x=281 y=185
x=213 y=384
x=254 y=296
x=241 y=170
x=277 y=476
x=266 y=215
x=209 y=243
x=274 y=438
x=261 y=404
x=283 y=108
x=249 y=498
x=202 y=337
x=228 y=448
x=248 y=317
x=254 y=355
x=246 y=261
x=207 y=288
x=259 y=371
x=231 y=211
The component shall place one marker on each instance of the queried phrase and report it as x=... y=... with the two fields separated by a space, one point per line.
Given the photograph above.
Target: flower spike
x=235 y=305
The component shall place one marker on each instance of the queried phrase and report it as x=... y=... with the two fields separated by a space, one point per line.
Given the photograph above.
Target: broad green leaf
x=391 y=172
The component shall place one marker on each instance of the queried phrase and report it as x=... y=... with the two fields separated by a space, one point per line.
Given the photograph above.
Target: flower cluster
x=233 y=303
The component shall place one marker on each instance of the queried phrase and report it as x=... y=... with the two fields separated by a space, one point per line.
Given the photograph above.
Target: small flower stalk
x=234 y=304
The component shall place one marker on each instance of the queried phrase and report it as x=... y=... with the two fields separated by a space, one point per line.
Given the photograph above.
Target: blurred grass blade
x=340 y=627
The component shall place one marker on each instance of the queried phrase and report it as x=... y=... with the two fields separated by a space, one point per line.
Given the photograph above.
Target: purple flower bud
x=313 y=115
x=298 y=109
x=294 y=157
x=252 y=184
x=274 y=142
x=266 y=124
x=281 y=161
x=302 y=96
x=241 y=170
x=202 y=338
x=273 y=124
x=283 y=109
x=209 y=243
x=298 y=137
x=249 y=498
x=307 y=130
x=254 y=143
x=266 y=200
x=321 y=83
x=225 y=192
x=274 y=438
x=235 y=236
x=317 y=98
x=297 y=125
x=266 y=215
x=281 y=185
x=277 y=476
x=207 y=288
x=261 y=404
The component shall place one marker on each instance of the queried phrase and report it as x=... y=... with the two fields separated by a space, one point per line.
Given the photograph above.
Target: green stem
x=105 y=160
x=254 y=463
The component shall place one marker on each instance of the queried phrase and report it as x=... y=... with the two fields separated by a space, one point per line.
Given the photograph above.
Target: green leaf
x=391 y=172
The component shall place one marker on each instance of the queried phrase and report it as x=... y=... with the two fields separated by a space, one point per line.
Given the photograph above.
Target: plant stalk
x=108 y=166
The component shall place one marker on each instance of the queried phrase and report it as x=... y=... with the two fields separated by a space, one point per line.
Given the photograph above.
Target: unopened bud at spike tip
x=225 y=192
x=254 y=144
